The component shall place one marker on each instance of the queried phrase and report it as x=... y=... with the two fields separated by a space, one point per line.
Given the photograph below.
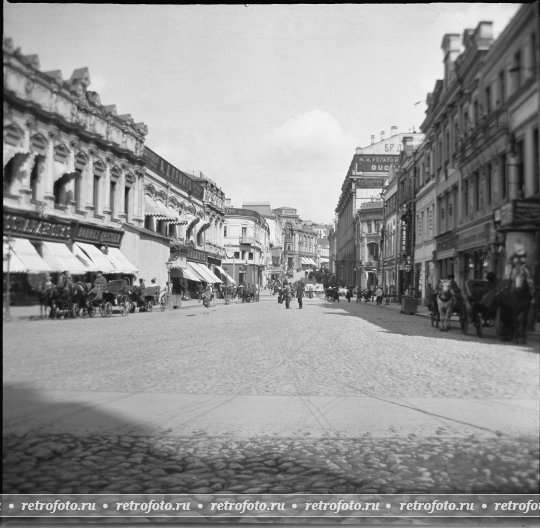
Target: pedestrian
x=336 y=294
x=206 y=296
x=142 y=285
x=300 y=294
x=200 y=290
x=379 y=296
x=348 y=295
x=287 y=295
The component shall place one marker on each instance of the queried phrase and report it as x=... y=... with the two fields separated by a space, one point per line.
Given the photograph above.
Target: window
x=126 y=201
x=521 y=168
x=237 y=254
x=34 y=176
x=488 y=99
x=536 y=162
x=489 y=190
x=476 y=198
x=534 y=51
x=369 y=226
x=250 y=256
x=97 y=182
x=516 y=69
x=225 y=231
x=502 y=88
x=465 y=198
x=504 y=176
x=112 y=199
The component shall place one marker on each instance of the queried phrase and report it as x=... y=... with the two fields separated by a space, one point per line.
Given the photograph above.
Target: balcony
x=249 y=241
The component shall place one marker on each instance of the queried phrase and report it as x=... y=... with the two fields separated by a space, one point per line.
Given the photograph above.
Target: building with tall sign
x=72 y=176
x=365 y=180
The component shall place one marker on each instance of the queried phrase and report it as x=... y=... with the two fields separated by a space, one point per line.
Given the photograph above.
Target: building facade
x=364 y=182
x=247 y=244
x=482 y=142
x=73 y=176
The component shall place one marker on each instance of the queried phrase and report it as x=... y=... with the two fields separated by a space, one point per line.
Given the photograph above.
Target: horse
x=514 y=301
x=445 y=303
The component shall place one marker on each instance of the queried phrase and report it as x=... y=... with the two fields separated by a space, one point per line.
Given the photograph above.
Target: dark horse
x=64 y=301
x=445 y=296
x=514 y=302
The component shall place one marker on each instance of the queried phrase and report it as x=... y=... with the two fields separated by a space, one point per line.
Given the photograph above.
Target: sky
x=268 y=101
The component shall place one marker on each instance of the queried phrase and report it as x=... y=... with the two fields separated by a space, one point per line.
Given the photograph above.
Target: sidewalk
x=424 y=311
x=32 y=311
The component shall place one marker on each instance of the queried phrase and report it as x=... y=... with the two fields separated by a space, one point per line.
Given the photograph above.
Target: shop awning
x=304 y=260
x=312 y=262
x=157 y=209
x=204 y=272
x=60 y=258
x=85 y=259
x=29 y=256
x=190 y=275
x=100 y=260
x=120 y=261
x=16 y=265
x=225 y=274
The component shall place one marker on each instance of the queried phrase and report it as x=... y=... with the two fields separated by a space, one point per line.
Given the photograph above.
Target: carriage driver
x=517 y=263
x=99 y=286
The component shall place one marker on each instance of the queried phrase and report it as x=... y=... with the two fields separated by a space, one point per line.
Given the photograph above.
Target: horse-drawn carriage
x=445 y=302
x=481 y=297
x=108 y=297
x=502 y=304
x=144 y=300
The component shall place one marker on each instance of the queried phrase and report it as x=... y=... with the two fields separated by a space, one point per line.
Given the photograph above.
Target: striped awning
x=59 y=257
x=191 y=275
x=26 y=253
x=100 y=260
x=16 y=265
x=158 y=210
x=120 y=262
x=225 y=274
x=204 y=272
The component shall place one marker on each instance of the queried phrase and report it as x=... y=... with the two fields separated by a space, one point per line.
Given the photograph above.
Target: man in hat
x=99 y=286
x=517 y=265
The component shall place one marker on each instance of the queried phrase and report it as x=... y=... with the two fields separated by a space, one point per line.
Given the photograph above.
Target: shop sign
x=96 y=235
x=469 y=239
x=178 y=262
x=370 y=183
x=196 y=255
x=447 y=242
x=24 y=225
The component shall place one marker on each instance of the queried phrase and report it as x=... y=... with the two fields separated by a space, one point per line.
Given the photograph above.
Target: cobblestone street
x=253 y=398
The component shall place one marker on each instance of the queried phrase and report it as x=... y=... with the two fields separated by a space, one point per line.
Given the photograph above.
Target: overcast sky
x=269 y=101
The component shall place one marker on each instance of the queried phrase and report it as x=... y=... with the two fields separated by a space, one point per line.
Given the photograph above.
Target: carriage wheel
x=478 y=324
x=75 y=309
x=464 y=321
x=108 y=309
x=498 y=328
x=125 y=309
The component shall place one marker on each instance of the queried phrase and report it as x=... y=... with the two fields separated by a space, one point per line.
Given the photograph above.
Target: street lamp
x=7 y=257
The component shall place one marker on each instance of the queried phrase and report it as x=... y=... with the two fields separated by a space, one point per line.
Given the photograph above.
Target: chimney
x=382 y=135
x=372 y=139
x=393 y=130
x=451 y=49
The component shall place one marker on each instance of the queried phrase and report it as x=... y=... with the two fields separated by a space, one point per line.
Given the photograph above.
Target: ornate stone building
x=482 y=139
x=365 y=179
x=247 y=245
x=72 y=174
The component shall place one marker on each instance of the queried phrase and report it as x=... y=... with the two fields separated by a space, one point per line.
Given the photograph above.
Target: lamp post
x=7 y=257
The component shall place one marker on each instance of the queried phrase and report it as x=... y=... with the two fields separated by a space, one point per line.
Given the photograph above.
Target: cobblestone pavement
x=325 y=350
